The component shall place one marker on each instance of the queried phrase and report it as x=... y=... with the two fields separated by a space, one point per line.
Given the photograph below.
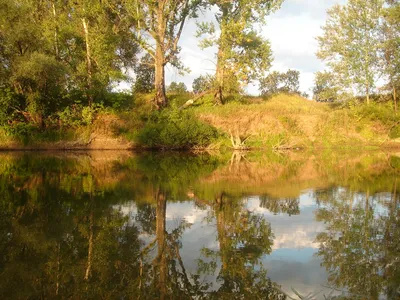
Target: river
x=122 y=225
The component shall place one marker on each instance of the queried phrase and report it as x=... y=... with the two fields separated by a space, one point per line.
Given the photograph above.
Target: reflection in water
x=360 y=248
x=243 y=237
x=103 y=225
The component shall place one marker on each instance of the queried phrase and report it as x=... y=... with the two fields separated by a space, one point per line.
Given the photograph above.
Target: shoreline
x=88 y=148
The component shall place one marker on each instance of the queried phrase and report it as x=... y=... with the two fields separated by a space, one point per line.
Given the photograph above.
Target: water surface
x=117 y=225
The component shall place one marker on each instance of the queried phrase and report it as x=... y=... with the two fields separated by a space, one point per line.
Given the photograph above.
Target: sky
x=292 y=32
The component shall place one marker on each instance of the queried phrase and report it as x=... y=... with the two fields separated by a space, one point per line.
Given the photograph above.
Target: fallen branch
x=238 y=142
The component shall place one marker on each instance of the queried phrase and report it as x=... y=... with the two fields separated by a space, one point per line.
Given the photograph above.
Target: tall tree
x=159 y=28
x=53 y=51
x=105 y=32
x=391 y=47
x=349 y=43
x=243 y=54
x=29 y=67
x=325 y=88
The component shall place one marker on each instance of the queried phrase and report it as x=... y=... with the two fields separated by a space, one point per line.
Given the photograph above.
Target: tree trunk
x=367 y=86
x=395 y=99
x=221 y=231
x=90 y=248
x=88 y=62
x=160 y=99
x=58 y=268
x=161 y=236
x=220 y=74
x=218 y=97
x=56 y=48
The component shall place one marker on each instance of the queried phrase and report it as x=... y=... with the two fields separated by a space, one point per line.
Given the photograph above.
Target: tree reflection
x=243 y=237
x=360 y=248
x=69 y=229
x=281 y=205
x=61 y=236
x=163 y=274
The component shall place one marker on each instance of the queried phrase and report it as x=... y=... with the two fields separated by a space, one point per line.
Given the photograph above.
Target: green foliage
x=162 y=40
x=56 y=53
x=203 y=83
x=350 y=44
x=177 y=88
x=118 y=100
x=395 y=132
x=243 y=54
x=177 y=100
x=382 y=112
x=24 y=132
x=390 y=60
x=8 y=103
x=39 y=78
x=145 y=74
x=325 y=88
x=176 y=129
x=277 y=82
x=77 y=114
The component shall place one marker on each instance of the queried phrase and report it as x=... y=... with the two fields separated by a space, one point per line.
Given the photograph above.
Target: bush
x=24 y=132
x=76 y=115
x=118 y=100
x=8 y=100
x=375 y=112
x=176 y=129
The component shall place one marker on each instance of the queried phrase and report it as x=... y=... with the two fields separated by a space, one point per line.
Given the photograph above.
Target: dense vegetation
x=360 y=45
x=61 y=60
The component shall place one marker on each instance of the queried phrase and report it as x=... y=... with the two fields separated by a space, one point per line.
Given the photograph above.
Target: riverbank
x=283 y=122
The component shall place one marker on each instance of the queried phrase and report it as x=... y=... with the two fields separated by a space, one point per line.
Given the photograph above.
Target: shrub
x=118 y=100
x=176 y=129
x=375 y=112
x=76 y=115
x=22 y=131
x=8 y=100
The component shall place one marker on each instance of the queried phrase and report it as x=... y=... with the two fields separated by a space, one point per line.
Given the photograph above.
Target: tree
x=270 y=84
x=177 y=88
x=349 y=44
x=304 y=95
x=39 y=78
x=108 y=45
x=159 y=28
x=325 y=89
x=28 y=66
x=391 y=47
x=54 y=53
x=277 y=82
x=290 y=82
x=243 y=55
x=145 y=73
x=203 y=83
